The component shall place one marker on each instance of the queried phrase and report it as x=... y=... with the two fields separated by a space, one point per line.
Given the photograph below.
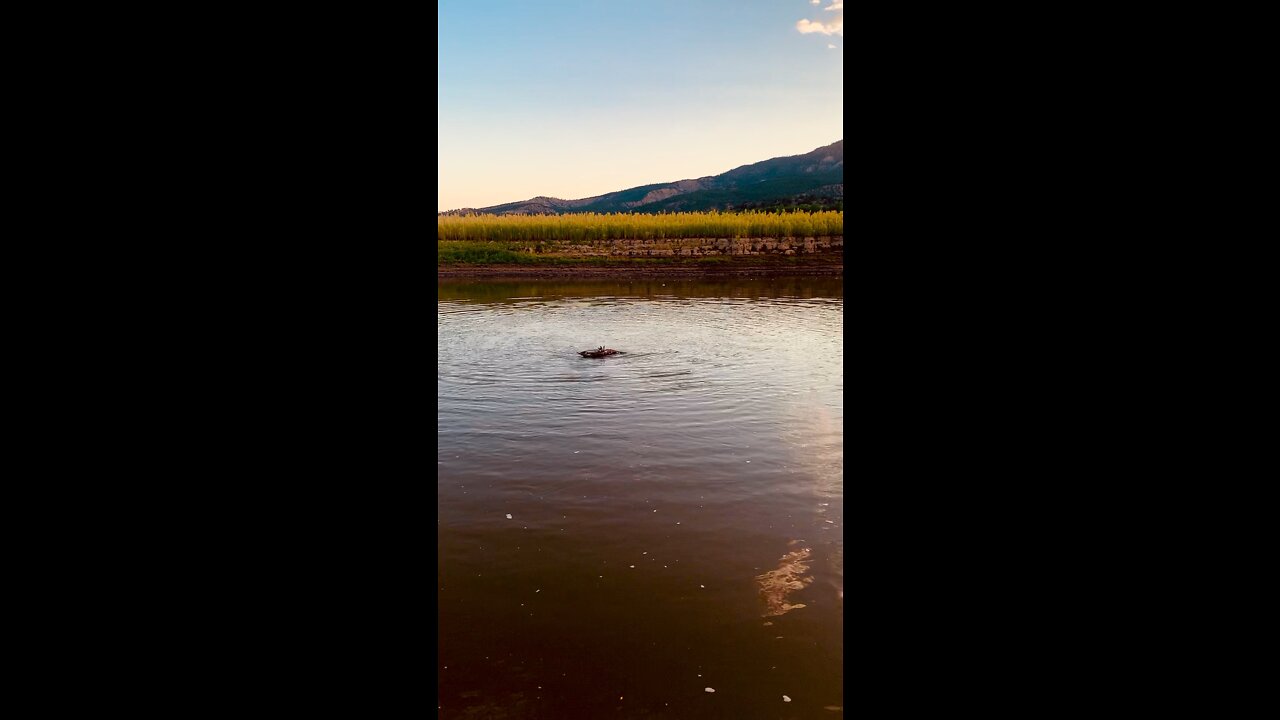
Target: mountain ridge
x=812 y=178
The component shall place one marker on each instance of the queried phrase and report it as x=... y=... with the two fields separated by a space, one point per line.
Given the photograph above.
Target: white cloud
x=815 y=2
x=830 y=46
x=834 y=26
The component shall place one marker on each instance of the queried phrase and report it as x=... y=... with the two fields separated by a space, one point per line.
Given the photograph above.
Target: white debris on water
x=508 y=516
x=537 y=591
x=702 y=586
x=633 y=566
x=709 y=689
x=786 y=699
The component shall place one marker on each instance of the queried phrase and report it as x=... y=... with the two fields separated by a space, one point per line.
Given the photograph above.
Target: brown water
x=676 y=511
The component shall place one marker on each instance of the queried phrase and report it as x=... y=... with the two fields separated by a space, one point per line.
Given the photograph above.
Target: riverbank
x=646 y=270
x=690 y=257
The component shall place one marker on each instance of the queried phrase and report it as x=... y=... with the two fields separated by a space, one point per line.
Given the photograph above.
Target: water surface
x=676 y=511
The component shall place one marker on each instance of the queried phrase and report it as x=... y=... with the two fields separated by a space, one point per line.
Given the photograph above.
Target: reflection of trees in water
x=777 y=585
x=507 y=291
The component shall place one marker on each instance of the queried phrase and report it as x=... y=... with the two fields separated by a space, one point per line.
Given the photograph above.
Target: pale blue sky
x=572 y=99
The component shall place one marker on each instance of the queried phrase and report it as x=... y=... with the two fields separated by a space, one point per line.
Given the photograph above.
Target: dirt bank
x=639 y=271
x=679 y=257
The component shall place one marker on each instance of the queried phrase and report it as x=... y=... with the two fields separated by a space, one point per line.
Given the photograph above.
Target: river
x=655 y=534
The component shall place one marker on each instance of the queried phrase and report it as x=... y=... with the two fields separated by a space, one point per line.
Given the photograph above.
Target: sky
x=573 y=99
